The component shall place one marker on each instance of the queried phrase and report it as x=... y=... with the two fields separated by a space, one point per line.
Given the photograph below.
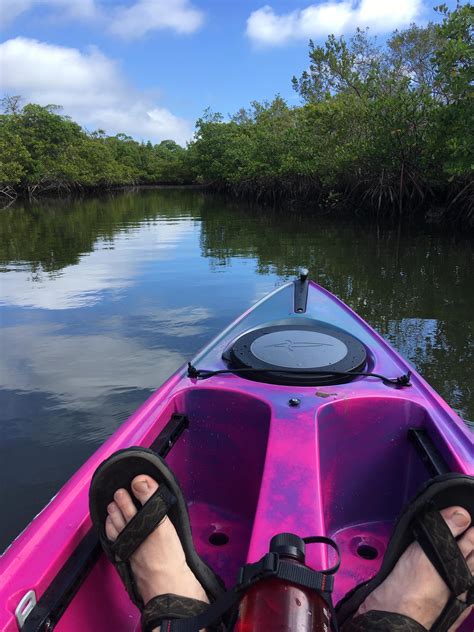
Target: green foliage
x=40 y=150
x=340 y=67
x=411 y=56
x=455 y=52
x=391 y=128
x=454 y=137
x=387 y=127
x=13 y=155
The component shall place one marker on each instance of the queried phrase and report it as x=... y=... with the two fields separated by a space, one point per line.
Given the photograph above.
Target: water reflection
x=112 y=266
x=102 y=299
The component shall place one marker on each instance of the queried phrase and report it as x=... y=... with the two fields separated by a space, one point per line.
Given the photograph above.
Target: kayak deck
x=341 y=463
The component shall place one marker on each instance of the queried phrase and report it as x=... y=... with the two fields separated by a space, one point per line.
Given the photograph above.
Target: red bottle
x=275 y=605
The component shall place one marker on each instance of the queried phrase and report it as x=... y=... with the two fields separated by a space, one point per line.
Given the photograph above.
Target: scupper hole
x=218 y=539
x=367 y=552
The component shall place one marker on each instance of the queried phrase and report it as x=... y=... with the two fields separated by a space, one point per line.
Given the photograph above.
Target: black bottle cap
x=288 y=545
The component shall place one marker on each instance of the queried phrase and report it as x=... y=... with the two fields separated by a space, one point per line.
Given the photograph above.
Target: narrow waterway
x=101 y=299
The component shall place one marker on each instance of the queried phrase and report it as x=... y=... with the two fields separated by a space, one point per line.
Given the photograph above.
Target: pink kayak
x=297 y=418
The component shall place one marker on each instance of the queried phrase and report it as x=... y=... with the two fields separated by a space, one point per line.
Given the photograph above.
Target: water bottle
x=275 y=605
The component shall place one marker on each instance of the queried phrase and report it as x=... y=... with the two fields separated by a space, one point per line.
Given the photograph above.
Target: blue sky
x=150 y=67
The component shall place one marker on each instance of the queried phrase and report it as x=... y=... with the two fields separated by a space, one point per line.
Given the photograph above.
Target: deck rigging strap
x=204 y=374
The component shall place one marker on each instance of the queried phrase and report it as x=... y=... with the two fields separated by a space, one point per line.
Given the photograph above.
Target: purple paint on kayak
x=251 y=466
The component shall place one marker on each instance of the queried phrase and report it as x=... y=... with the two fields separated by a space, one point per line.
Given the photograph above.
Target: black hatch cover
x=296 y=345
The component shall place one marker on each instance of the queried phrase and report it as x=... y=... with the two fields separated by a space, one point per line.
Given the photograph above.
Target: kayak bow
x=307 y=422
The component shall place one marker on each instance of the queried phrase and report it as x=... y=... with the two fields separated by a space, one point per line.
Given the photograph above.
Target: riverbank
x=391 y=135
x=442 y=213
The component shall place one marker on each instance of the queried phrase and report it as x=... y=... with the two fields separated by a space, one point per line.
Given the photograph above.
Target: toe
x=466 y=543
x=457 y=519
x=470 y=561
x=125 y=504
x=116 y=516
x=144 y=487
x=110 y=531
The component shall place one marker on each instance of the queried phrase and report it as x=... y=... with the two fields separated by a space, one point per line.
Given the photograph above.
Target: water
x=102 y=299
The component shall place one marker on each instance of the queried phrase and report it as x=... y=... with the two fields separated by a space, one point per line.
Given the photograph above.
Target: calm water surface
x=102 y=299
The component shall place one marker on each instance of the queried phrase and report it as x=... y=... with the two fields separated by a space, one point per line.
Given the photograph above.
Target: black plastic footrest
x=428 y=452
x=170 y=434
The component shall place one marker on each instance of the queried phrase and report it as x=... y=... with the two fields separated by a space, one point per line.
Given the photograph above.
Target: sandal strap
x=470 y=595
x=378 y=621
x=452 y=611
x=441 y=548
x=143 y=523
x=125 y=571
x=169 y=606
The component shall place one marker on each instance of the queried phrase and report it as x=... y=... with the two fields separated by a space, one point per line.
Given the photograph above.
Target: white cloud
x=129 y=21
x=149 y=15
x=68 y=9
x=89 y=86
x=41 y=68
x=388 y=15
x=73 y=9
x=265 y=27
x=144 y=120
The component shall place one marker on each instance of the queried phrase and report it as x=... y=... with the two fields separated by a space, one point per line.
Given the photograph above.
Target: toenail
x=141 y=486
x=460 y=519
x=111 y=508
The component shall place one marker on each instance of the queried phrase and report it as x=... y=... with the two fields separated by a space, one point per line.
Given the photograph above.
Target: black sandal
x=420 y=521
x=117 y=472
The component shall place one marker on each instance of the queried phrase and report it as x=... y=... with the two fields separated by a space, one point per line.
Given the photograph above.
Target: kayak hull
x=342 y=463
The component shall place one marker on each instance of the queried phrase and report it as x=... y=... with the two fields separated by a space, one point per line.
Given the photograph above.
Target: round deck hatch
x=297 y=344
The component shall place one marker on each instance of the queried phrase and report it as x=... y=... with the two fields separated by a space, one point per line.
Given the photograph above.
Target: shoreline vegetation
x=385 y=128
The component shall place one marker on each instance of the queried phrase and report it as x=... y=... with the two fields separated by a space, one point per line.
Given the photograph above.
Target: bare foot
x=414 y=588
x=159 y=564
